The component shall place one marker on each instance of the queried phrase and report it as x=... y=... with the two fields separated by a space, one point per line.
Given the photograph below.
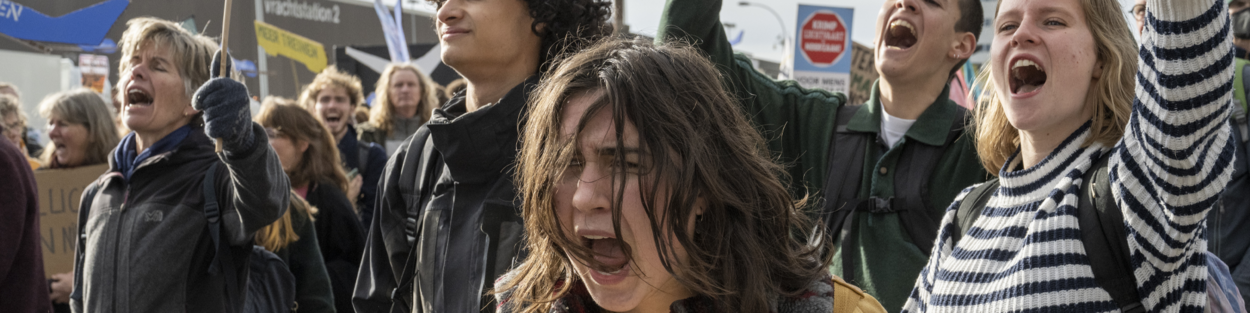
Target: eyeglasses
x=271 y=133
x=1138 y=12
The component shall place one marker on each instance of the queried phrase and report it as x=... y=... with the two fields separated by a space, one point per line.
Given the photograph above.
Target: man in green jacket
x=885 y=171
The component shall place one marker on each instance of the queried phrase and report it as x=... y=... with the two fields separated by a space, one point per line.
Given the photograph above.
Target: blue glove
x=227 y=116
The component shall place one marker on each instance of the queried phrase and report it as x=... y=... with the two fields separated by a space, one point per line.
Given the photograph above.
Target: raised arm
x=798 y=122
x=253 y=189
x=1176 y=153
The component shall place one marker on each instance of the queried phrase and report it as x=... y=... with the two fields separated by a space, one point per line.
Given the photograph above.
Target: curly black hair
x=565 y=26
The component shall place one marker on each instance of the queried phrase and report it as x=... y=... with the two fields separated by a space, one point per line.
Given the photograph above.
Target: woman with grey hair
x=80 y=128
x=147 y=243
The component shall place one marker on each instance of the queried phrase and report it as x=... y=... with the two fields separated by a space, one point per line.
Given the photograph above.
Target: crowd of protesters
x=573 y=170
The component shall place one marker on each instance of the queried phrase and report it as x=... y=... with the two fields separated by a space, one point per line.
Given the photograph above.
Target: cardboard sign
x=59 y=194
x=863 y=74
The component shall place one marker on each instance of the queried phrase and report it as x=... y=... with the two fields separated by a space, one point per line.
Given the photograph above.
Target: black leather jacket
x=447 y=220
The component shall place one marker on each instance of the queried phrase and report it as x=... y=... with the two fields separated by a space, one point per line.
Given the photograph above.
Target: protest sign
x=863 y=74
x=277 y=41
x=59 y=194
x=822 y=53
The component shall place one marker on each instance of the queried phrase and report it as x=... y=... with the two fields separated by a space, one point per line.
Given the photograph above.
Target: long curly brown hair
x=748 y=244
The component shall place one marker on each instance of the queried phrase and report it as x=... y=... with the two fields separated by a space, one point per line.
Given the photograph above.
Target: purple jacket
x=22 y=284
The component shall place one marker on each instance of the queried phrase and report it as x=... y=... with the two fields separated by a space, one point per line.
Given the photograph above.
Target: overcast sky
x=761 y=27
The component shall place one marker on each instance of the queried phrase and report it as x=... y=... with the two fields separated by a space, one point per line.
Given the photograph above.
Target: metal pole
x=262 y=63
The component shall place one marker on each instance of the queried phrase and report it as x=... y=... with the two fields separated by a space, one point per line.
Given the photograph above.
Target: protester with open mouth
x=447 y=221
x=333 y=97
x=648 y=191
x=886 y=169
x=80 y=127
x=1062 y=120
x=145 y=243
x=405 y=99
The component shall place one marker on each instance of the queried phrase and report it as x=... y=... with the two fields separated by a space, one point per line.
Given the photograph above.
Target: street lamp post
x=784 y=33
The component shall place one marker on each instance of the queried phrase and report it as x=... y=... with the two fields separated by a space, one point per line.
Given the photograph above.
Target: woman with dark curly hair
x=447 y=208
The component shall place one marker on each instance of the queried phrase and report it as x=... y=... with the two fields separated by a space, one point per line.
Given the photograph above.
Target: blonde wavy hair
x=332 y=77
x=382 y=112
x=1112 y=95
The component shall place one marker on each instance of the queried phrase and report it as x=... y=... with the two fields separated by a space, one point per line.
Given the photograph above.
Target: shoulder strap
x=362 y=158
x=431 y=161
x=971 y=207
x=917 y=215
x=222 y=264
x=846 y=160
x=1104 y=237
x=1239 y=82
x=1238 y=118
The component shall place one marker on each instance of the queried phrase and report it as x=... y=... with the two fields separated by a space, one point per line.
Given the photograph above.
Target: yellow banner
x=277 y=41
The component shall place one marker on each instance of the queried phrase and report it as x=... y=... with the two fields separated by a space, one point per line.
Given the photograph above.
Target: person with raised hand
x=144 y=243
x=885 y=169
x=1064 y=129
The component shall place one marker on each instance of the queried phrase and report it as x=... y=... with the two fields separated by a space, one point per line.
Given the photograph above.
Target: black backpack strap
x=971 y=207
x=1238 y=118
x=362 y=158
x=845 y=173
x=1105 y=239
x=222 y=264
x=433 y=165
x=917 y=215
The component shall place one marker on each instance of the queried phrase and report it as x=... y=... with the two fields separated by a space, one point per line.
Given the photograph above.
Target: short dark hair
x=970 y=16
x=565 y=26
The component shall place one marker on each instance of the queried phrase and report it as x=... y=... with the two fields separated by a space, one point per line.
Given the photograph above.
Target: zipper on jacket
x=117 y=279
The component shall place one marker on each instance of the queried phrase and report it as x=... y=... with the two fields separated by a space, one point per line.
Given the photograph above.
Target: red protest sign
x=823 y=38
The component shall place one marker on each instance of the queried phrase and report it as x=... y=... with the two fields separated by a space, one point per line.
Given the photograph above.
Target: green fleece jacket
x=800 y=125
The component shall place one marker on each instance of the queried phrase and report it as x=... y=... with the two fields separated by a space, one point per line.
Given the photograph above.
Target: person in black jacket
x=144 y=243
x=333 y=97
x=311 y=160
x=447 y=218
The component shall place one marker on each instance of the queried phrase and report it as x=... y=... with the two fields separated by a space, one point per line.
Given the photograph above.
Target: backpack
x=270 y=284
x=1103 y=235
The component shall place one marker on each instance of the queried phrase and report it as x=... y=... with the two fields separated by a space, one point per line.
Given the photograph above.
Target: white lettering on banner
x=821 y=47
x=10 y=10
x=302 y=10
x=823 y=35
x=826 y=25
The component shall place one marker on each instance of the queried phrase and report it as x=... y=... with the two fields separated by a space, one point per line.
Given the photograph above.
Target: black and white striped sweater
x=1024 y=253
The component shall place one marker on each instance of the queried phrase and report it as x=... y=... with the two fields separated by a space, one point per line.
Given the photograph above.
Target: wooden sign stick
x=225 y=38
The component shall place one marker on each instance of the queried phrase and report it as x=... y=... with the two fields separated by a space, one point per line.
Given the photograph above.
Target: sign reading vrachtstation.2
x=822 y=53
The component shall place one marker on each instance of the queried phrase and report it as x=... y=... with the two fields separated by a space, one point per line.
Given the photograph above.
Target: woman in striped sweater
x=1062 y=74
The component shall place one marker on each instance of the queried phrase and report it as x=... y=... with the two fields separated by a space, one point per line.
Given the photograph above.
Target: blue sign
x=823 y=48
x=86 y=26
